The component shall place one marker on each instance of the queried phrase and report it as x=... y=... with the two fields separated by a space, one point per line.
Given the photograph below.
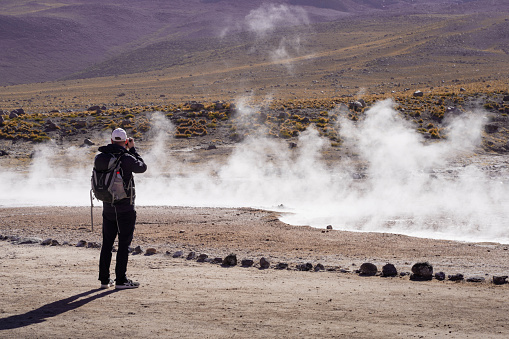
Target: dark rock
x=211 y=147
x=500 y=280
x=19 y=111
x=191 y=255
x=491 y=128
x=422 y=271
x=456 y=277
x=418 y=94
x=54 y=243
x=81 y=243
x=194 y=106
x=319 y=267
x=150 y=251
x=15 y=238
x=440 y=276
x=368 y=269
x=30 y=240
x=292 y=145
x=2 y=153
x=179 y=254
x=264 y=263
x=230 y=260
x=50 y=126
x=389 y=270
x=329 y=227
x=217 y=260
x=46 y=242
x=247 y=263
x=305 y=267
x=137 y=250
x=282 y=266
x=202 y=257
x=357 y=105
x=93 y=244
x=94 y=108
x=88 y=142
x=506 y=98
x=476 y=279
x=13 y=115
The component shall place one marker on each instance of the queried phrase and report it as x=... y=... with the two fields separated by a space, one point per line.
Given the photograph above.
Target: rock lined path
x=52 y=292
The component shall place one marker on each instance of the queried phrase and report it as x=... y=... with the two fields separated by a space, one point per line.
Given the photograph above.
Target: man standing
x=119 y=217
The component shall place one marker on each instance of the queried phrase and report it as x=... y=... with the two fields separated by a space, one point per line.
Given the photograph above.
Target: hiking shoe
x=107 y=284
x=127 y=284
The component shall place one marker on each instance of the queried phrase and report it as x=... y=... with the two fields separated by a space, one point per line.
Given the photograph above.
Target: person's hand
x=130 y=143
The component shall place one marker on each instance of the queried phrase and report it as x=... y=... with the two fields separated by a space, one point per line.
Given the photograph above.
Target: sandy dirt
x=52 y=291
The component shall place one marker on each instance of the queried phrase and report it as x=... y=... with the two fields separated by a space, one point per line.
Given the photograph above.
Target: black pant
x=122 y=224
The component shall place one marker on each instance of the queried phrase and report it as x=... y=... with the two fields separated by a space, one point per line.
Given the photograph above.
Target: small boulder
x=50 y=126
x=217 y=260
x=55 y=243
x=94 y=108
x=202 y=257
x=476 y=279
x=305 y=267
x=247 y=263
x=88 y=142
x=422 y=271
x=13 y=115
x=150 y=251
x=389 y=270
x=491 y=128
x=137 y=250
x=46 y=242
x=456 y=277
x=230 y=260
x=178 y=254
x=30 y=240
x=329 y=227
x=319 y=267
x=418 y=94
x=500 y=280
x=191 y=255
x=264 y=263
x=81 y=243
x=282 y=266
x=440 y=276
x=368 y=269
x=93 y=244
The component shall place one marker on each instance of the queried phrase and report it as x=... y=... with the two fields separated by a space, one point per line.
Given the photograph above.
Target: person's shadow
x=51 y=310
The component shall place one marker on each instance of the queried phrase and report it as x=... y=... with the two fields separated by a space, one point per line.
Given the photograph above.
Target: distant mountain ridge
x=50 y=40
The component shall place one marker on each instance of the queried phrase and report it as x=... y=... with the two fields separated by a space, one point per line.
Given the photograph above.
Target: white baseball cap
x=119 y=135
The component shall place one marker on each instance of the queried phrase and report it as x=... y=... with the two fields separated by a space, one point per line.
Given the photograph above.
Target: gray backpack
x=107 y=182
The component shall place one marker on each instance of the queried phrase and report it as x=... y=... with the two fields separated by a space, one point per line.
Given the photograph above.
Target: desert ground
x=128 y=59
x=52 y=291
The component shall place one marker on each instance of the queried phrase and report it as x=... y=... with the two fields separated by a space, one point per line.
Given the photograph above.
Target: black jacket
x=130 y=162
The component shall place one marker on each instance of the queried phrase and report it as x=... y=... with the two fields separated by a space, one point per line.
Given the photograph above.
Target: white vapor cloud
x=267 y=17
x=406 y=186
